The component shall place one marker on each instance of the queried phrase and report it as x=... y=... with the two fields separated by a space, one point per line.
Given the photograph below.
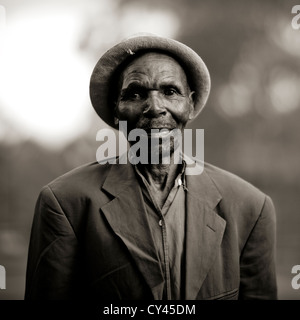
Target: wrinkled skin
x=154 y=93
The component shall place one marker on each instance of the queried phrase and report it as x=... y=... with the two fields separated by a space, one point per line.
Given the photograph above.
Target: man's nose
x=154 y=105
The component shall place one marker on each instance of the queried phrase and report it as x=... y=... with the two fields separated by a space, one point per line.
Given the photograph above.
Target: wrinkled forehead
x=155 y=67
x=154 y=64
x=117 y=79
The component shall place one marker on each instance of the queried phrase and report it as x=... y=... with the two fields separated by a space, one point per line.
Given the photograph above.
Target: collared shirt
x=167 y=225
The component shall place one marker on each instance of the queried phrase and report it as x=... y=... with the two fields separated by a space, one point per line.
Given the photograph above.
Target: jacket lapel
x=205 y=230
x=127 y=217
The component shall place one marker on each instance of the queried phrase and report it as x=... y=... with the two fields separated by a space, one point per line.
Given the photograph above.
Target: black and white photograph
x=149 y=150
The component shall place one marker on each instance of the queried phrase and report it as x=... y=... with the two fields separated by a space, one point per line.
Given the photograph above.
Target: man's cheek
x=181 y=111
x=182 y=116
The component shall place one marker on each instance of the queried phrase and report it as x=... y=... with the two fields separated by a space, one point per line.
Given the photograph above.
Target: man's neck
x=161 y=176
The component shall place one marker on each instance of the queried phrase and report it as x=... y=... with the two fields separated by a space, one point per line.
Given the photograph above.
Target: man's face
x=154 y=94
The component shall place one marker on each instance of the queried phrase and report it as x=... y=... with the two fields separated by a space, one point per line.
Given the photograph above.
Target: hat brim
x=105 y=71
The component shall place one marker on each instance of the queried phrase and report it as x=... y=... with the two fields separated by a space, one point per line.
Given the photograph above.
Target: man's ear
x=191 y=103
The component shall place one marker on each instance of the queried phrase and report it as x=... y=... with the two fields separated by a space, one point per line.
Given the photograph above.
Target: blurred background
x=48 y=50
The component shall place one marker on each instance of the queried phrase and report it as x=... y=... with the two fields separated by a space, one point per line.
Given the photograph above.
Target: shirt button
x=179 y=182
x=160 y=223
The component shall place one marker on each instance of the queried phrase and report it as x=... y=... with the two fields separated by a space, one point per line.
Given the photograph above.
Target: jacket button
x=160 y=223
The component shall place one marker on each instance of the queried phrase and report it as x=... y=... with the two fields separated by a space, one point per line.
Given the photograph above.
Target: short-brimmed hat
x=103 y=83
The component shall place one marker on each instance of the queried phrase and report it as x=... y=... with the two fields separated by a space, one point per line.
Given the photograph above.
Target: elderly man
x=151 y=231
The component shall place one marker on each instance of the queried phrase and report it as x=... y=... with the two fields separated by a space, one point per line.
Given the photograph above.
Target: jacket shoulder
x=234 y=189
x=80 y=181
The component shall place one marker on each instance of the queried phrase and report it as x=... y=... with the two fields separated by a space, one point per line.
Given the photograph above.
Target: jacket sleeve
x=53 y=252
x=257 y=265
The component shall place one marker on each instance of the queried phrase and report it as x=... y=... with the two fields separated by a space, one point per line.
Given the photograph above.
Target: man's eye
x=170 y=91
x=132 y=95
x=135 y=96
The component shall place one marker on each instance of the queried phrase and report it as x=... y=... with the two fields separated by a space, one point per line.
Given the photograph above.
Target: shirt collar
x=180 y=179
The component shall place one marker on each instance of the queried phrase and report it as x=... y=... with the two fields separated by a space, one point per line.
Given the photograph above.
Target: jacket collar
x=205 y=228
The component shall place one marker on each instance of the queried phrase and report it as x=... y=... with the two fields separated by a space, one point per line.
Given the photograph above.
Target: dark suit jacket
x=91 y=238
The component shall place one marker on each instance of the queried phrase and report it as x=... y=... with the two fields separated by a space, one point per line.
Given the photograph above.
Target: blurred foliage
x=251 y=119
